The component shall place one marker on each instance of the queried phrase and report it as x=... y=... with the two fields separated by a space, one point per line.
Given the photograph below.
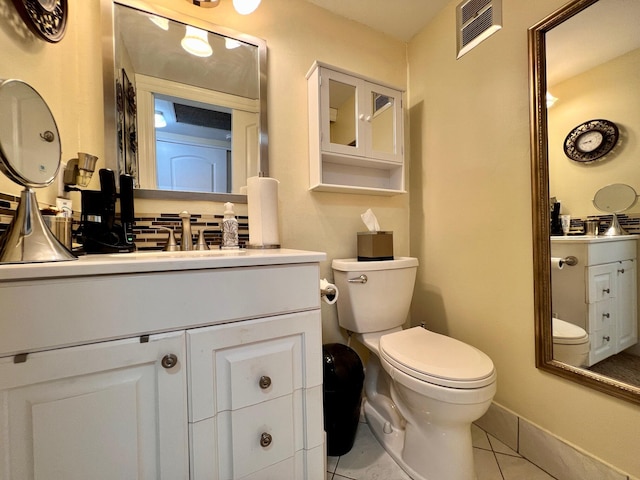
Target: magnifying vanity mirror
x=614 y=199
x=30 y=156
x=587 y=55
x=185 y=103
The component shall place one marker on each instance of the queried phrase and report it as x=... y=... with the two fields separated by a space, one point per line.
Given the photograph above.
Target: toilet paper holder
x=329 y=292
x=570 y=260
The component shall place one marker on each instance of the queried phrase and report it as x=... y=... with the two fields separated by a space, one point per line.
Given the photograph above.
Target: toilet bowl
x=570 y=343
x=422 y=389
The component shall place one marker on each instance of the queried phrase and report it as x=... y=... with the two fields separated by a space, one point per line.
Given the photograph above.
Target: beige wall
x=471 y=224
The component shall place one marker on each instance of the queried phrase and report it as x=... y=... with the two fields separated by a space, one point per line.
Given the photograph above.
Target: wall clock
x=46 y=18
x=591 y=140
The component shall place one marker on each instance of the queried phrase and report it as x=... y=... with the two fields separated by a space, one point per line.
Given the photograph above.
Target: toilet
x=570 y=343
x=422 y=389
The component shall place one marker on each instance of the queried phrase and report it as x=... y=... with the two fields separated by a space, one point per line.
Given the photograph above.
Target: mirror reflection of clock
x=589 y=141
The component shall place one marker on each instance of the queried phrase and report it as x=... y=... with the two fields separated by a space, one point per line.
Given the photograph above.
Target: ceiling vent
x=201 y=117
x=476 y=21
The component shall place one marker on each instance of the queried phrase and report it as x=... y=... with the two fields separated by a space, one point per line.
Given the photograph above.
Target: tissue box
x=375 y=246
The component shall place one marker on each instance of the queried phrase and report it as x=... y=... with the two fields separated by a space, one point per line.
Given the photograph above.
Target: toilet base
x=392 y=440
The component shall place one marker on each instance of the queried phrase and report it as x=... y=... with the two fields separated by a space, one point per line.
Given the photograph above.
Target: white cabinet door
x=104 y=411
x=627 y=304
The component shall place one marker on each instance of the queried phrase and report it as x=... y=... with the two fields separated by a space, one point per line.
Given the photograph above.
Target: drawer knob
x=621 y=270
x=265 y=439
x=169 y=360
x=607 y=338
x=606 y=290
x=606 y=315
x=265 y=382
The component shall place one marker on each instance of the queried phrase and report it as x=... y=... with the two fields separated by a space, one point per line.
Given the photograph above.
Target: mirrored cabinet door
x=359 y=117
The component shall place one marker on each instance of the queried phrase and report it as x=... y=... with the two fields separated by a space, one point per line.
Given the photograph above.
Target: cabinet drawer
x=253 y=438
x=602 y=315
x=601 y=282
x=226 y=362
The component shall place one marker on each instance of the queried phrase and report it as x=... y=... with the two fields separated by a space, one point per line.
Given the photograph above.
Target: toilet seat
x=565 y=333
x=437 y=359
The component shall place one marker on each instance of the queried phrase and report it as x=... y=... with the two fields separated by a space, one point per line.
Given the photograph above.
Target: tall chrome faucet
x=186 y=238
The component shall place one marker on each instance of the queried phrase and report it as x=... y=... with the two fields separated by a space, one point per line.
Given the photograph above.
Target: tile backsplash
x=148 y=230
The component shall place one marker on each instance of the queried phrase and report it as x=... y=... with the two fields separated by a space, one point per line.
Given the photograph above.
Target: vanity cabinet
x=356 y=141
x=100 y=411
x=599 y=294
x=163 y=368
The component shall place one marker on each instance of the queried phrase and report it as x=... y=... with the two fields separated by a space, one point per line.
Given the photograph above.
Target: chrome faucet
x=186 y=239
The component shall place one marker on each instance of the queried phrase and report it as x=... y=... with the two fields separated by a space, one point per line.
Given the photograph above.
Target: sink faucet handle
x=171 y=245
x=202 y=243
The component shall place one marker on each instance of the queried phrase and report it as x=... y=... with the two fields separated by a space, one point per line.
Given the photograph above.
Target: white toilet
x=421 y=403
x=570 y=343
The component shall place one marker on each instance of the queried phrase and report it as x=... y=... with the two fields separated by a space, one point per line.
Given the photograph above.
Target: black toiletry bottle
x=556 y=226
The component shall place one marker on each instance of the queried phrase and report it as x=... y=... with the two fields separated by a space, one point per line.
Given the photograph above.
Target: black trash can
x=342 y=395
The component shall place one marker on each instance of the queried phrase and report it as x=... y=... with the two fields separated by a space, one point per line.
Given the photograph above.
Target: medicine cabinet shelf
x=355 y=133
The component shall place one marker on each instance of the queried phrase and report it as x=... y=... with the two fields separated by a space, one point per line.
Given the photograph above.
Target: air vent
x=477 y=20
x=202 y=117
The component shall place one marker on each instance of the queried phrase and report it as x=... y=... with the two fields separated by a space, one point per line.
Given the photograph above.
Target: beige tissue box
x=374 y=246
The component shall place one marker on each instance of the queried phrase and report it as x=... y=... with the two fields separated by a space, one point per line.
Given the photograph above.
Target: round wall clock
x=46 y=18
x=591 y=140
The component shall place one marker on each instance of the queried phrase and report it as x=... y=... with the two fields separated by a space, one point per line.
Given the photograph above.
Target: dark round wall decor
x=45 y=18
x=591 y=140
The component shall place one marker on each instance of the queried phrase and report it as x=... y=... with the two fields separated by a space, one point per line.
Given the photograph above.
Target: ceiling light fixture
x=243 y=7
x=159 y=120
x=196 y=42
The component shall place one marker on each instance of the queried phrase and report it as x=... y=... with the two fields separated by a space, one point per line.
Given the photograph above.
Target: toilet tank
x=380 y=302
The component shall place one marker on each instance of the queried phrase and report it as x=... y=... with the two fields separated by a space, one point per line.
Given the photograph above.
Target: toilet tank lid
x=353 y=265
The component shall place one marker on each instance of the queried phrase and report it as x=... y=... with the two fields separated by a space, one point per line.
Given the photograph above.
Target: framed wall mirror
x=185 y=103
x=587 y=55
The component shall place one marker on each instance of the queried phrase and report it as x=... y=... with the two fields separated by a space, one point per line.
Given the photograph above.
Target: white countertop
x=591 y=238
x=156 y=261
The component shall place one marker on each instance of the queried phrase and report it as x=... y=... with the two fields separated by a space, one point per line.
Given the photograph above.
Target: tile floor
x=367 y=460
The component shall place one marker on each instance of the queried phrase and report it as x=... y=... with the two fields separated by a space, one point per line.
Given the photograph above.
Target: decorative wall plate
x=45 y=18
x=591 y=140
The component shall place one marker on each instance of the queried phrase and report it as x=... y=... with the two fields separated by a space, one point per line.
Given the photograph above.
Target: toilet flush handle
x=361 y=279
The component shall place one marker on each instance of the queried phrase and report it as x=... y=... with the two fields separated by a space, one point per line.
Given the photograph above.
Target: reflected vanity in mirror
x=586 y=56
x=188 y=120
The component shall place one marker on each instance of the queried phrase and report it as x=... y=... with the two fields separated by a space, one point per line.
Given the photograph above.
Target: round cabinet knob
x=607 y=338
x=606 y=315
x=621 y=270
x=368 y=118
x=265 y=439
x=265 y=382
x=169 y=360
x=606 y=290
x=361 y=116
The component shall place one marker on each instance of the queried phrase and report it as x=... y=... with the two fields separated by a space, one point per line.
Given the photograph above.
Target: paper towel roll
x=328 y=292
x=557 y=263
x=262 y=199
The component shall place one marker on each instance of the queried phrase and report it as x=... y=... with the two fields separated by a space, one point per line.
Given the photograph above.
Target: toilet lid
x=437 y=358
x=566 y=333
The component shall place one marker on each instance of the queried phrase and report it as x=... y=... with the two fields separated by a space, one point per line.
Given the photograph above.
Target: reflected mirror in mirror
x=616 y=198
x=190 y=116
x=600 y=81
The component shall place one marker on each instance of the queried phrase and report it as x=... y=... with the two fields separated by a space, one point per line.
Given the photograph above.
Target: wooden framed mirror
x=616 y=19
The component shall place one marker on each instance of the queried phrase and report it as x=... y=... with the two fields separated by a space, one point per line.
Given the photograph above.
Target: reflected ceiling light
x=231 y=43
x=159 y=120
x=243 y=7
x=161 y=22
x=196 y=42
x=550 y=100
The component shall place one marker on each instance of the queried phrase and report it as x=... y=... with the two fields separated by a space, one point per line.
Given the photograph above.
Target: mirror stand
x=28 y=238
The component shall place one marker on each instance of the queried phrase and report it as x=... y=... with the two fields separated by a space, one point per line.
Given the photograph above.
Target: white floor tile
x=486 y=466
x=479 y=438
x=499 y=447
x=515 y=468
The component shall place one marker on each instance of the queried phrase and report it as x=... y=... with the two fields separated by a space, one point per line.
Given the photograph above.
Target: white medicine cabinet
x=355 y=133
